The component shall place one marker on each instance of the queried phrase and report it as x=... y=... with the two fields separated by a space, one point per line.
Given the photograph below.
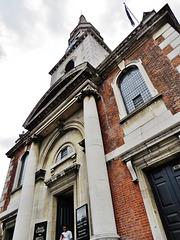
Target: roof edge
x=135 y=39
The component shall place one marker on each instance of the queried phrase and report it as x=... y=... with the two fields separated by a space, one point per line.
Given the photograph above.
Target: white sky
x=33 y=38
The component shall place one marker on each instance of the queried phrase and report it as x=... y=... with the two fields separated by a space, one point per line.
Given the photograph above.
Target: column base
x=105 y=236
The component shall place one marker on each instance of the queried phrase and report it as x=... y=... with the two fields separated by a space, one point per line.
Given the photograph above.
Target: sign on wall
x=40 y=231
x=82 y=222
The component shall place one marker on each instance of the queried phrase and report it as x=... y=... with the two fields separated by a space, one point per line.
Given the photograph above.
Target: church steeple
x=84 y=45
x=82 y=19
x=82 y=27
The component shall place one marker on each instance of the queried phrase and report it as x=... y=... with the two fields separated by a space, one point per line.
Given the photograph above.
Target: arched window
x=23 y=167
x=133 y=89
x=64 y=153
x=69 y=66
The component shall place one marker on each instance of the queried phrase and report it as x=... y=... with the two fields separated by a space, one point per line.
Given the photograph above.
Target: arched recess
x=70 y=124
x=56 y=135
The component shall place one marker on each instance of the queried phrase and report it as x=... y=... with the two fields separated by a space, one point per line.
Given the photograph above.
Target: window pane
x=69 y=150
x=133 y=89
x=23 y=167
x=138 y=101
x=63 y=153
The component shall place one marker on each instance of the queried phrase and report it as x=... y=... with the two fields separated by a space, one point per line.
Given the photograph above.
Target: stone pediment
x=59 y=92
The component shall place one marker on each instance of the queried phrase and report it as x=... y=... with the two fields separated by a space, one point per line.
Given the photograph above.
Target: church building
x=101 y=153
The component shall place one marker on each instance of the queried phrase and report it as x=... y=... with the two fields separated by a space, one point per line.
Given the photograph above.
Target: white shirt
x=66 y=235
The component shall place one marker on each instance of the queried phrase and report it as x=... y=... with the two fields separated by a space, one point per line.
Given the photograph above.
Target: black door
x=165 y=183
x=65 y=213
x=9 y=233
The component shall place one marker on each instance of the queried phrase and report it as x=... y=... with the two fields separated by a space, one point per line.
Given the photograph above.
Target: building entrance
x=8 y=234
x=65 y=213
x=165 y=183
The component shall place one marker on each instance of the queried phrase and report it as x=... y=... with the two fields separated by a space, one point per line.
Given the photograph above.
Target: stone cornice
x=58 y=92
x=72 y=168
x=25 y=140
x=170 y=130
x=20 y=143
x=135 y=39
x=4 y=216
x=151 y=145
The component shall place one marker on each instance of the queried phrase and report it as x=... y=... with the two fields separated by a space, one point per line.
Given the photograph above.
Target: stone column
x=102 y=214
x=23 y=220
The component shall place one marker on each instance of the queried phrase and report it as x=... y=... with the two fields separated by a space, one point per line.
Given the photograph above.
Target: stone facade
x=84 y=150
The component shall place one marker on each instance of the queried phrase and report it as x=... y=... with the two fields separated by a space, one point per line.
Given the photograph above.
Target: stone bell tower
x=85 y=45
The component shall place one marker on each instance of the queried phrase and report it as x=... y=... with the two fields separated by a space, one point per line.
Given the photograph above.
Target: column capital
x=88 y=91
x=31 y=139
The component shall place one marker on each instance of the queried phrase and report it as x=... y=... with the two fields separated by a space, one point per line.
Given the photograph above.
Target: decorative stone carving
x=88 y=91
x=21 y=136
x=31 y=139
x=40 y=175
x=132 y=172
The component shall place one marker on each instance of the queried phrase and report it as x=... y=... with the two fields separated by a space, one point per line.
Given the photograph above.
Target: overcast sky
x=34 y=36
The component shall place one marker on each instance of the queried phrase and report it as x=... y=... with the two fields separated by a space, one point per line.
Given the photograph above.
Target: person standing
x=66 y=234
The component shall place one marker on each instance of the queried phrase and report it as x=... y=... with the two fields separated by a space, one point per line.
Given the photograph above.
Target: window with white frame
x=132 y=87
x=22 y=170
x=64 y=152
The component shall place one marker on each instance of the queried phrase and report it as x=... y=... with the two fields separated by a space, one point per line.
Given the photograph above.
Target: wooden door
x=165 y=183
x=65 y=213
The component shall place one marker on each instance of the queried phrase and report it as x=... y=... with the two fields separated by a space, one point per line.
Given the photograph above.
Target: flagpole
x=130 y=12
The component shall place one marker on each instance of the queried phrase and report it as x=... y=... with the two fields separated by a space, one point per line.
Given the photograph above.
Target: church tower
x=85 y=45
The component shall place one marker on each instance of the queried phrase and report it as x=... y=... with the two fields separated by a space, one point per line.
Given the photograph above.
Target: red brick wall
x=130 y=214
x=131 y=218
x=163 y=75
x=162 y=72
x=9 y=184
x=109 y=116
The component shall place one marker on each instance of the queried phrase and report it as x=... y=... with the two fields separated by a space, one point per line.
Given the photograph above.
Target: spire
x=82 y=19
x=82 y=26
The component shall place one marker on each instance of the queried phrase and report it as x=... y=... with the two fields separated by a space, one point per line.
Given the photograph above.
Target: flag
x=128 y=14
